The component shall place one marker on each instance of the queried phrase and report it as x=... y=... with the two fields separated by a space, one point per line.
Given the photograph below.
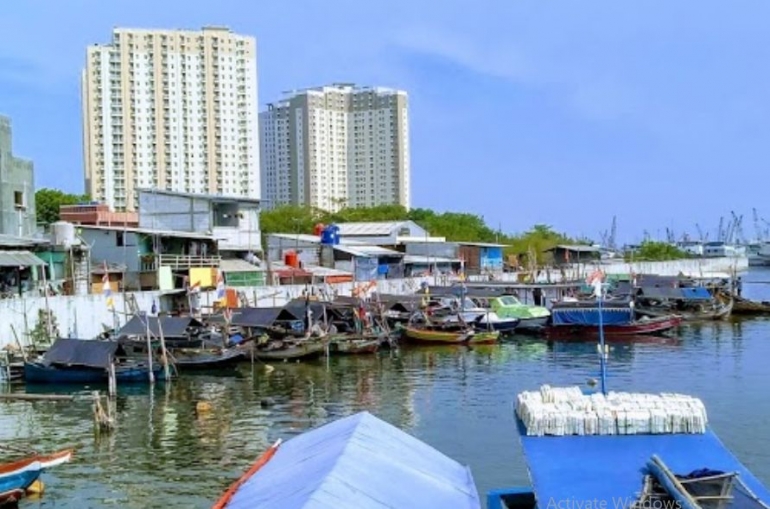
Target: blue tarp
x=697 y=293
x=590 y=316
x=358 y=462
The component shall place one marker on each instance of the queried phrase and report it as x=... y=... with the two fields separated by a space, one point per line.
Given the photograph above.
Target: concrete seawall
x=86 y=316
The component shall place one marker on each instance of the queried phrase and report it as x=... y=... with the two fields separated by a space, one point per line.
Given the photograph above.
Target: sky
x=524 y=112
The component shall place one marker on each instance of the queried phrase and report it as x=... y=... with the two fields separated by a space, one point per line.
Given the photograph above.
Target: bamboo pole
x=149 y=349
x=164 y=353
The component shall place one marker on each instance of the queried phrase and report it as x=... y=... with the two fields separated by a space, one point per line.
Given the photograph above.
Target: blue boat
x=605 y=450
x=78 y=361
x=357 y=462
x=18 y=476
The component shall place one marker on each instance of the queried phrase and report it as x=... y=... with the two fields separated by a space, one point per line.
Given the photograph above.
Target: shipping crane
x=758 y=226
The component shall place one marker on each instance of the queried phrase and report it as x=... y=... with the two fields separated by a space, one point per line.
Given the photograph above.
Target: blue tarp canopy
x=590 y=316
x=608 y=469
x=696 y=293
x=358 y=462
x=669 y=293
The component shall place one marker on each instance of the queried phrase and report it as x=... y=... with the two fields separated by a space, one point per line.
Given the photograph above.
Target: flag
x=220 y=285
x=106 y=290
x=596 y=275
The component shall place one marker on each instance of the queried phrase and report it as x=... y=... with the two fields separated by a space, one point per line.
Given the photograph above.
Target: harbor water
x=172 y=451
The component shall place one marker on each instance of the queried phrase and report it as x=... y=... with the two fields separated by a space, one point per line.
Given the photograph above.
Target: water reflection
x=182 y=443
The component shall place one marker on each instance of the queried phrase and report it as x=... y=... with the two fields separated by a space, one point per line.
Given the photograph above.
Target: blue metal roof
x=358 y=462
x=610 y=468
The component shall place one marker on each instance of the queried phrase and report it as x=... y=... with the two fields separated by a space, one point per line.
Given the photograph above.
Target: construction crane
x=670 y=238
x=701 y=236
x=613 y=234
x=721 y=230
x=737 y=236
x=758 y=226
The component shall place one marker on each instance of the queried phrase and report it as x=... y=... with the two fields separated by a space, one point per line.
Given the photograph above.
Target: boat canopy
x=611 y=314
x=668 y=293
x=261 y=317
x=173 y=326
x=358 y=462
x=88 y=353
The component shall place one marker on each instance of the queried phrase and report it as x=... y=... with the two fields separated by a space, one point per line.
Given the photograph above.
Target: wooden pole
x=149 y=349
x=164 y=355
x=113 y=382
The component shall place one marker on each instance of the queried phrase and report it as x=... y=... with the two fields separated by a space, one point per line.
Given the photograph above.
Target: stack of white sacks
x=561 y=411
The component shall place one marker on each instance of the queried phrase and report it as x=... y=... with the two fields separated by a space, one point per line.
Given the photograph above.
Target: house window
x=18 y=200
x=120 y=240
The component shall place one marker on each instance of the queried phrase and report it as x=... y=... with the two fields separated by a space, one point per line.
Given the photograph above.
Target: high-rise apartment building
x=172 y=110
x=336 y=146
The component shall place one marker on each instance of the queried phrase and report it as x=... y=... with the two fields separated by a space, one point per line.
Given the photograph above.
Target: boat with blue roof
x=618 y=450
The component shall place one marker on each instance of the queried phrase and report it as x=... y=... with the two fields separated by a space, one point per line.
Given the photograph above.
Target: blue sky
x=564 y=113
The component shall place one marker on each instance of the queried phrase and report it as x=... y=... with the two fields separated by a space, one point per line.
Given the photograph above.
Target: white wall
x=84 y=316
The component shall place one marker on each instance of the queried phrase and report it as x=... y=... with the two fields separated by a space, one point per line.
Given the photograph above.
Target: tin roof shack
x=155 y=259
x=569 y=254
x=21 y=271
x=482 y=257
x=233 y=221
x=366 y=262
x=429 y=255
x=385 y=233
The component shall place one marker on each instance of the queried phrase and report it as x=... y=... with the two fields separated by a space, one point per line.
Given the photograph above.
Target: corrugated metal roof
x=577 y=248
x=366 y=251
x=482 y=244
x=15 y=241
x=381 y=228
x=148 y=231
x=355 y=463
x=417 y=259
x=19 y=259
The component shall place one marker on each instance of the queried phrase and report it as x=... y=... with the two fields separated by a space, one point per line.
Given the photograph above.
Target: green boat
x=508 y=306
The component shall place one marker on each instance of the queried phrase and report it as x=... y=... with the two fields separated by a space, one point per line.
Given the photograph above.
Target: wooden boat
x=17 y=476
x=40 y=373
x=743 y=306
x=280 y=350
x=580 y=320
x=354 y=345
x=203 y=359
x=620 y=331
x=457 y=337
x=720 y=309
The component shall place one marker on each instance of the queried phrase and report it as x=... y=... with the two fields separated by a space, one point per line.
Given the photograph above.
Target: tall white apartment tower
x=173 y=110
x=336 y=146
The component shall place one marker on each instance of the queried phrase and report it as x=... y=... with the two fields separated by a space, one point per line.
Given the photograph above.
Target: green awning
x=19 y=259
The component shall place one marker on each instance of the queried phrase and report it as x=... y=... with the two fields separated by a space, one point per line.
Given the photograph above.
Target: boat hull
x=306 y=351
x=641 y=327
x=36 y=373
x=450 y=338
x=17 y=476
x=207 y=360
x=354 y=346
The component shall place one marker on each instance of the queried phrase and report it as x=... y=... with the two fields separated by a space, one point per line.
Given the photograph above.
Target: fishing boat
x=353 y=344
x=583 y=319
x=690 y=304
x=290 y=350
x=623 y=450
x=357 y=462
x=16 y=477
x=530 y=317
x=450 y=337
x=743 y=306
x=78 y=361
x=186 y=360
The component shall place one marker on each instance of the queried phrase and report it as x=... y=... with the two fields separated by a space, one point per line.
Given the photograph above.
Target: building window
x=119 y=239
x=18 y=200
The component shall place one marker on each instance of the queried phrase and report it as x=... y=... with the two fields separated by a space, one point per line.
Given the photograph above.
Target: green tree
x=536 y=241
x=48 y=201
x=653 y=251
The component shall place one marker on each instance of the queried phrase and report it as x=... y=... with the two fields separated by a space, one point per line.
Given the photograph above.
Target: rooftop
x=201 y=196
x=370 y=228
x=15 y=241
x=576 y=248
x=148 y=231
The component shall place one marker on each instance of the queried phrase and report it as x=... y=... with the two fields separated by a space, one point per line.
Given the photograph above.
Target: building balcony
x=151 y=263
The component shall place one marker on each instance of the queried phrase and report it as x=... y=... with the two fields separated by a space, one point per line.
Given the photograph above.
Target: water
x=165 y=454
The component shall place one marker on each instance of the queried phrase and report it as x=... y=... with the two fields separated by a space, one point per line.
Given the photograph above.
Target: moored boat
x=353 y=344
x=17 y=476
x=186 y=360
x=449 y=337
x=294 y=350
x=582 y=320
x=357 y=462
x=530 y=317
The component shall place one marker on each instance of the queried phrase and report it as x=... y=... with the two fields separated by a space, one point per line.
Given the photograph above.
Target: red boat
x=620 y=331
x=580 y=320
